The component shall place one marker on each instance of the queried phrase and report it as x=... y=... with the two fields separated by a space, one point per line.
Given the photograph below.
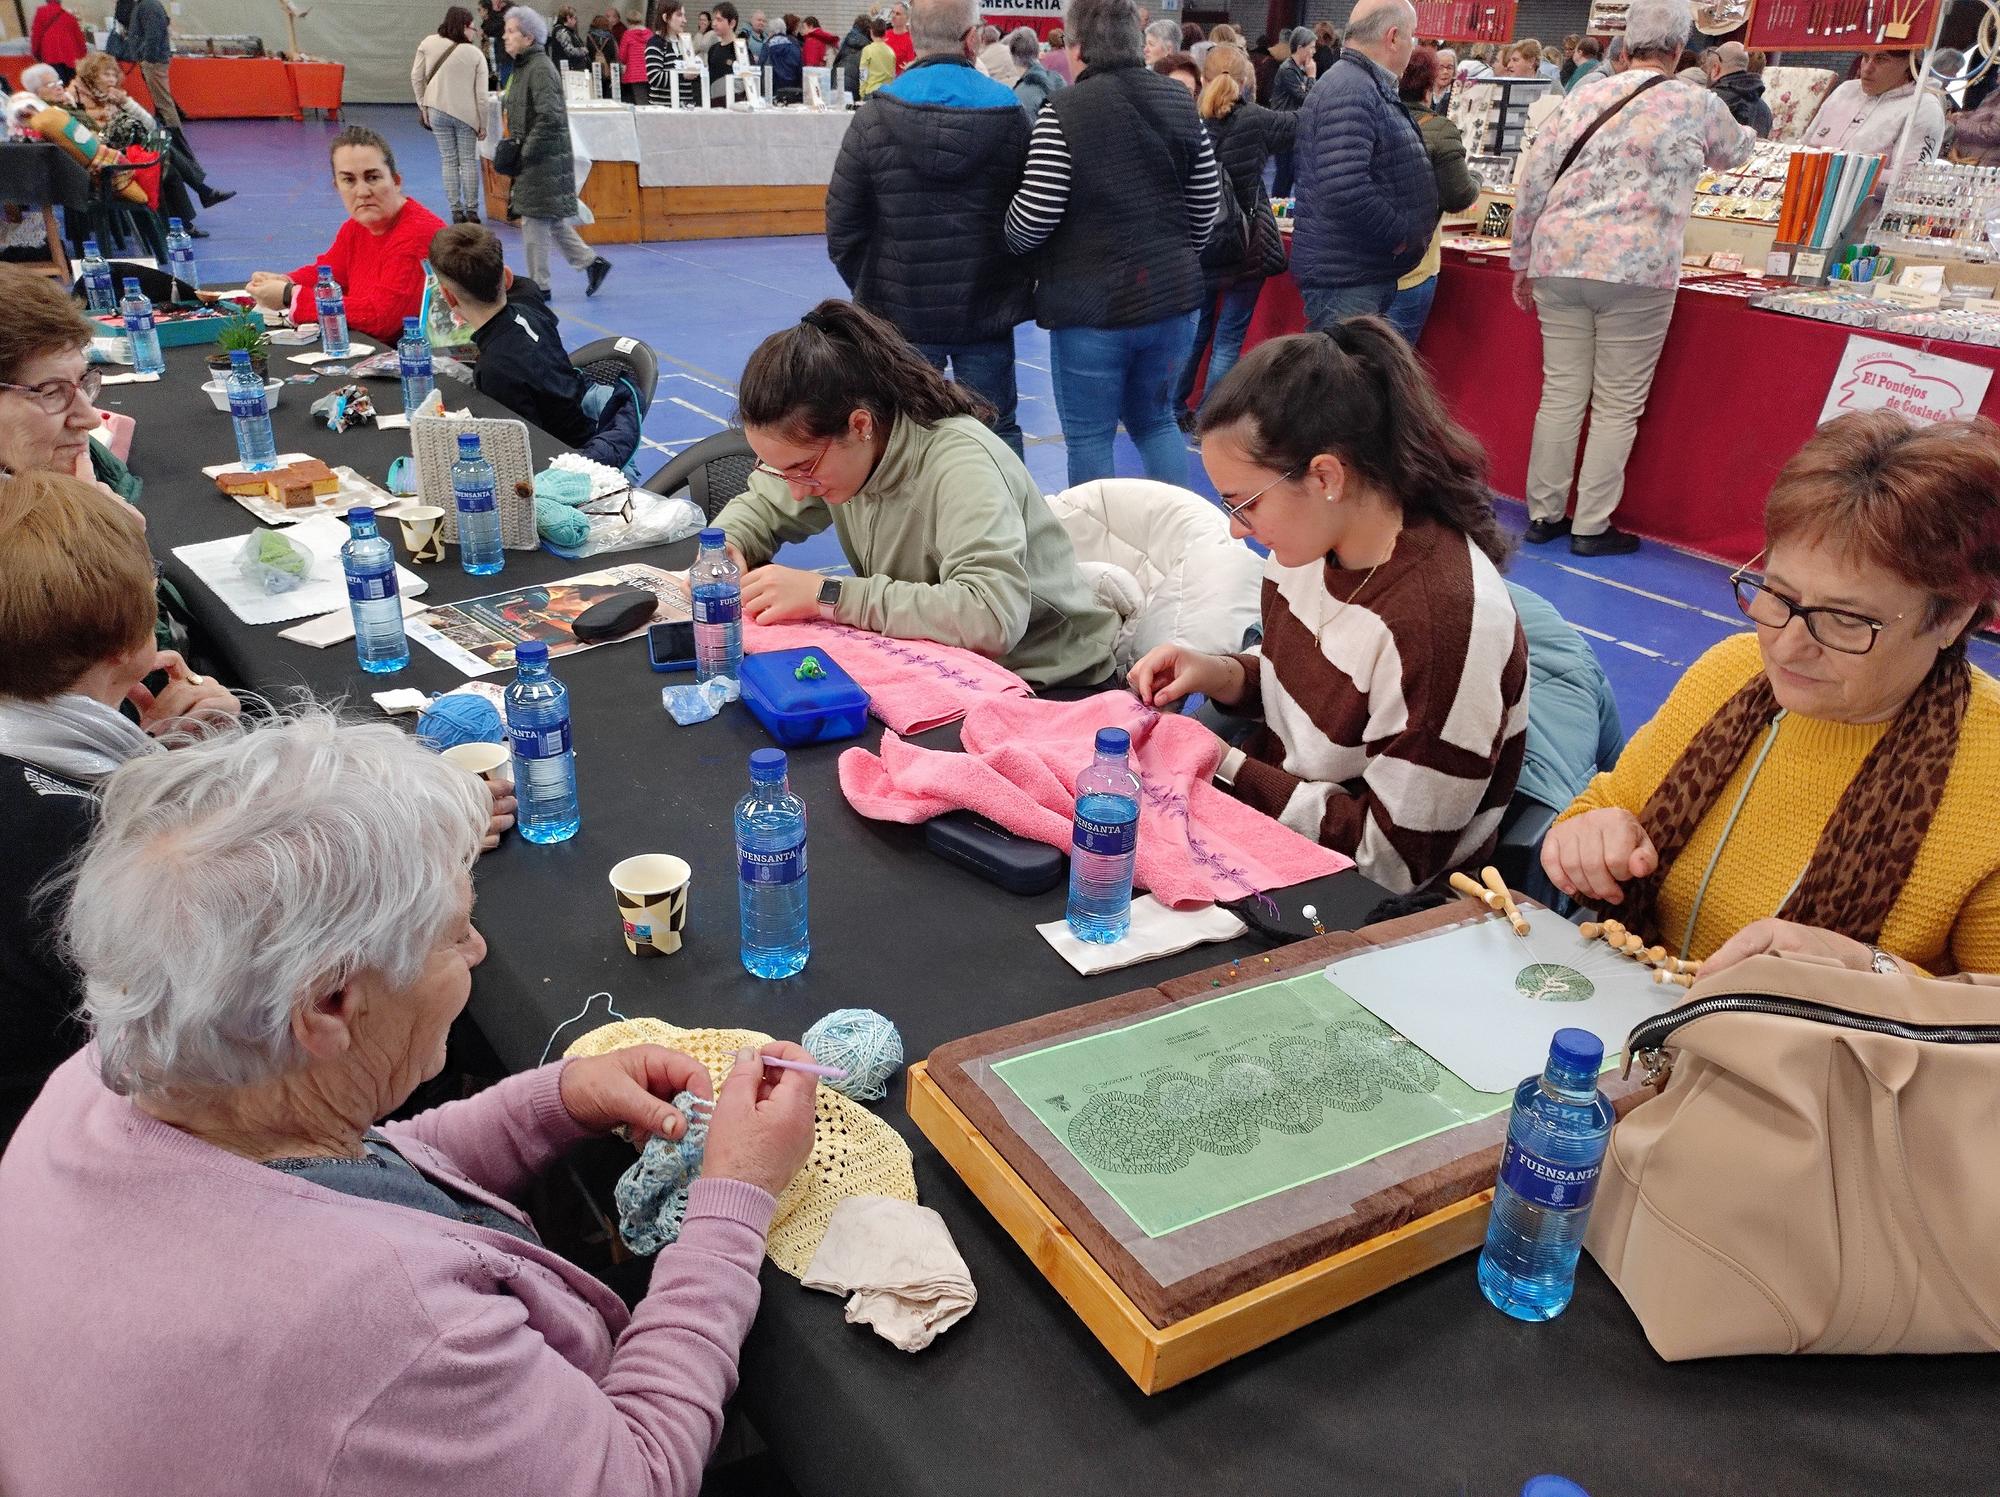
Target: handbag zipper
x=1648 y=1039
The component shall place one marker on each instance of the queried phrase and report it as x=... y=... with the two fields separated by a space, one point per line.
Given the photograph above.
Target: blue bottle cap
x=175 y=225
x=326 y=272
x=713 y=537
x=1113 y=741
x=767 y=764
x=531 y=652
x=131 y=285
x=468 y=445
x=1552 y=1486
x=359 y=513
x=412 y=325
x=239 y=359
x=90 y=247
x=1578 y=1049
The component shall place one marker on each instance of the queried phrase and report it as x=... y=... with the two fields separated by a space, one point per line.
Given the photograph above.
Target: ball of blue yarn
x=459 y=717
x=863 y=1044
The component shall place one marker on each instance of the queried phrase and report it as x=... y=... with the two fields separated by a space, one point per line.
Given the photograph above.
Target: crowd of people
x=198 y=1150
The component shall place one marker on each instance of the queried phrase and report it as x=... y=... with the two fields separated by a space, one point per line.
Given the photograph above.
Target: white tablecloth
x=738 y=148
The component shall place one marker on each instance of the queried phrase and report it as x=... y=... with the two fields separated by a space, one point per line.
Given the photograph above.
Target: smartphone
x=671 y=646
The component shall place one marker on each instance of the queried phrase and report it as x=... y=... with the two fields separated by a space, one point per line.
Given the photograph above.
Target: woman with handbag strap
x=449 y=79
x=544 y=166
x=1602 y=211
x=1826 y=784
x=1244 y=136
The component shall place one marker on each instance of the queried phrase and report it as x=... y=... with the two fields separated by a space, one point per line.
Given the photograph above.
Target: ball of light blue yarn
x=863 y=1044
x=559 y=523
x=459 y=717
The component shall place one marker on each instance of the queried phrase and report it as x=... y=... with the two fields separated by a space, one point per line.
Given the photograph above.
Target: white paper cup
x=652 y=893
x=423 y=531
x=483 y=759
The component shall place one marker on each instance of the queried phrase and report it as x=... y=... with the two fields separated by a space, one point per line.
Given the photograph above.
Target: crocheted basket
x=854 y=1152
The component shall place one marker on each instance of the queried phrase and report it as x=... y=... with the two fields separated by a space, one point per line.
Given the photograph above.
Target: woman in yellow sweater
x=1831 y=783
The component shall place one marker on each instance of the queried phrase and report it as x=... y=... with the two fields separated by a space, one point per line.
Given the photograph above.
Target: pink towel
x=1198 y=845
x=912 y=684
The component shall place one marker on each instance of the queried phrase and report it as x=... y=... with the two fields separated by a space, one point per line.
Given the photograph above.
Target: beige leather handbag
x=1820 y=1173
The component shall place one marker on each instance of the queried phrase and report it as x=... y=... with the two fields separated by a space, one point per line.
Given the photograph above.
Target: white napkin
x=1156 y=931
x=333 y=628
x=898 y=1262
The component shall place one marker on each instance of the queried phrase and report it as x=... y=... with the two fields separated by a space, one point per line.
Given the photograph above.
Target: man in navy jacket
x=1366 y=196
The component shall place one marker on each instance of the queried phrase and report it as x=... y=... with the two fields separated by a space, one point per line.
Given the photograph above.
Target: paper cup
x=652 y=892
x=483 y=759
x=423 y=531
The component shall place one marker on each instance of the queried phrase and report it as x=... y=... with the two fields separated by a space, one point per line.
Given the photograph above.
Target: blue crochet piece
x=652 y=1196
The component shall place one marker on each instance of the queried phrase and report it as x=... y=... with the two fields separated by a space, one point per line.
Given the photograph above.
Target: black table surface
x=1422 y=1388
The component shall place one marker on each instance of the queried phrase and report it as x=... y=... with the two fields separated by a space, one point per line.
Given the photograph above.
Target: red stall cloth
x=1738 y=391
x=318 y=85
x=224 y=88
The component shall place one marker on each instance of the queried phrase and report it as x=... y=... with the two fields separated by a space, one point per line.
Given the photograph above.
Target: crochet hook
x=825 y=1073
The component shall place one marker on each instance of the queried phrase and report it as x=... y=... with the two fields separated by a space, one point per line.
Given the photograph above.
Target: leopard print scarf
x=1872 y=838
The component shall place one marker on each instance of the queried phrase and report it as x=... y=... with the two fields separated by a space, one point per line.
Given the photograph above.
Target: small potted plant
x=242 y=330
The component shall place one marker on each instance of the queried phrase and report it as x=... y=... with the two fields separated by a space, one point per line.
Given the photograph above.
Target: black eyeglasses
x=57 y=395
x=1235 y=511
x=1836 y=628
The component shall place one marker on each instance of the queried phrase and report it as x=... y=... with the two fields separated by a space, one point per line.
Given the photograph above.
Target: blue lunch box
x=816 y=710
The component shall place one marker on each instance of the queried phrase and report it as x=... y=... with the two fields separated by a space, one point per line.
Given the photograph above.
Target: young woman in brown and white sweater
x=1392 y=681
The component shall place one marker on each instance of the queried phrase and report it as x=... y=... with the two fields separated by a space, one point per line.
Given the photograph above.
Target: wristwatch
x=829 y=598
x=1880 y=961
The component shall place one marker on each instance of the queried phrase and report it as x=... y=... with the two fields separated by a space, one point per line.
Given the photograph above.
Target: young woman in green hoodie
x=948 y=537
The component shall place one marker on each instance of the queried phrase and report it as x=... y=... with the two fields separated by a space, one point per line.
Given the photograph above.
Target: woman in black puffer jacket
x=1246 y=246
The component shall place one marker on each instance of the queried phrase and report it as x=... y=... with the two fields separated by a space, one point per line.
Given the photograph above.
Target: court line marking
x=1707 y=613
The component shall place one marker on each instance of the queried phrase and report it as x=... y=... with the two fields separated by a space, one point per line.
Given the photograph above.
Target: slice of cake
x=317 y=473
x=236 y=482
x=290 y=488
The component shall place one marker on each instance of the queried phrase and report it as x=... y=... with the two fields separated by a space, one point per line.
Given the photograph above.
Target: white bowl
x=218 y=394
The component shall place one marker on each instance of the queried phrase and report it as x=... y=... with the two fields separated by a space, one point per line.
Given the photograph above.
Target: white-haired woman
x=1597 y=253
x=274 y=930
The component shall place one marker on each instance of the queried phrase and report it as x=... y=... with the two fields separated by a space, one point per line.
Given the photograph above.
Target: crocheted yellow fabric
x=1947 y=918
x=854 y=1152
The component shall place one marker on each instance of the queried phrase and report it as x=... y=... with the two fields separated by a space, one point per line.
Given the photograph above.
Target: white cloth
x=1853 y=120
x=72 y=736
x=1156 y=930
x=738 y=148
x=898 y=1263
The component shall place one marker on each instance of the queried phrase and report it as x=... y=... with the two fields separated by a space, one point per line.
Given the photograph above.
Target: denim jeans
x=1283 y=176
x=1104 y=375
x=1412 y=309
x=1225 y=318
x=987 y=370
x=1325 y=308
x=458 y=154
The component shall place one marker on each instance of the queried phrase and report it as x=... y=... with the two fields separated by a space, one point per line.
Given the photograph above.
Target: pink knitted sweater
x=181 y=1321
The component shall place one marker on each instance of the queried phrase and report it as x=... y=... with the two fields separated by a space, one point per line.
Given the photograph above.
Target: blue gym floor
x=705 y=304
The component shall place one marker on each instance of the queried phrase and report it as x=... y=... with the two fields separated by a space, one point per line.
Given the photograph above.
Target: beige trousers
x=165 y=110
x=1600 y=345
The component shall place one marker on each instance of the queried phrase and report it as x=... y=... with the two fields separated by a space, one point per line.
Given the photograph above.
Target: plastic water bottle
x=332 y=308
x=413 y=359
x=771 y=870
x=718 y=610
x=98 y=292
x=138 y=310
x=180 y=254
x=1105 y=843
x=1548 y=1178
x=370 y=565
x=256 y=448
x=478 y=512
x=544 y=754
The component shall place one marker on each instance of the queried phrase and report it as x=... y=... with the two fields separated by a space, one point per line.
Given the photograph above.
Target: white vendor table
x=657 y=173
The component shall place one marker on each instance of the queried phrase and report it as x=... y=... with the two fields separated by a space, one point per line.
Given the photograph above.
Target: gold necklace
x=1349 y=599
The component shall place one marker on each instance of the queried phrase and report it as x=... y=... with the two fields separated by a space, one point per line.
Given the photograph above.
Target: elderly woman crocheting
x=274 y=930
x=1826 y=784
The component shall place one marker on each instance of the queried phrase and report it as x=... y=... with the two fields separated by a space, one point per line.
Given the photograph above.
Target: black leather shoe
x=210 y=196
x=594 y=275
x=1610 y=542
x=1541 y=532
x=196 y=231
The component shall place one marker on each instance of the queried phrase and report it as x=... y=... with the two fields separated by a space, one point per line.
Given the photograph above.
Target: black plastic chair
x=609 y=360
x=713 y=471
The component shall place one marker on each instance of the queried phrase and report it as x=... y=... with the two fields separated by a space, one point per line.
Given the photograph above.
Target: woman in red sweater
x=632 y=58
x=57 y=39
x=378 y=255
